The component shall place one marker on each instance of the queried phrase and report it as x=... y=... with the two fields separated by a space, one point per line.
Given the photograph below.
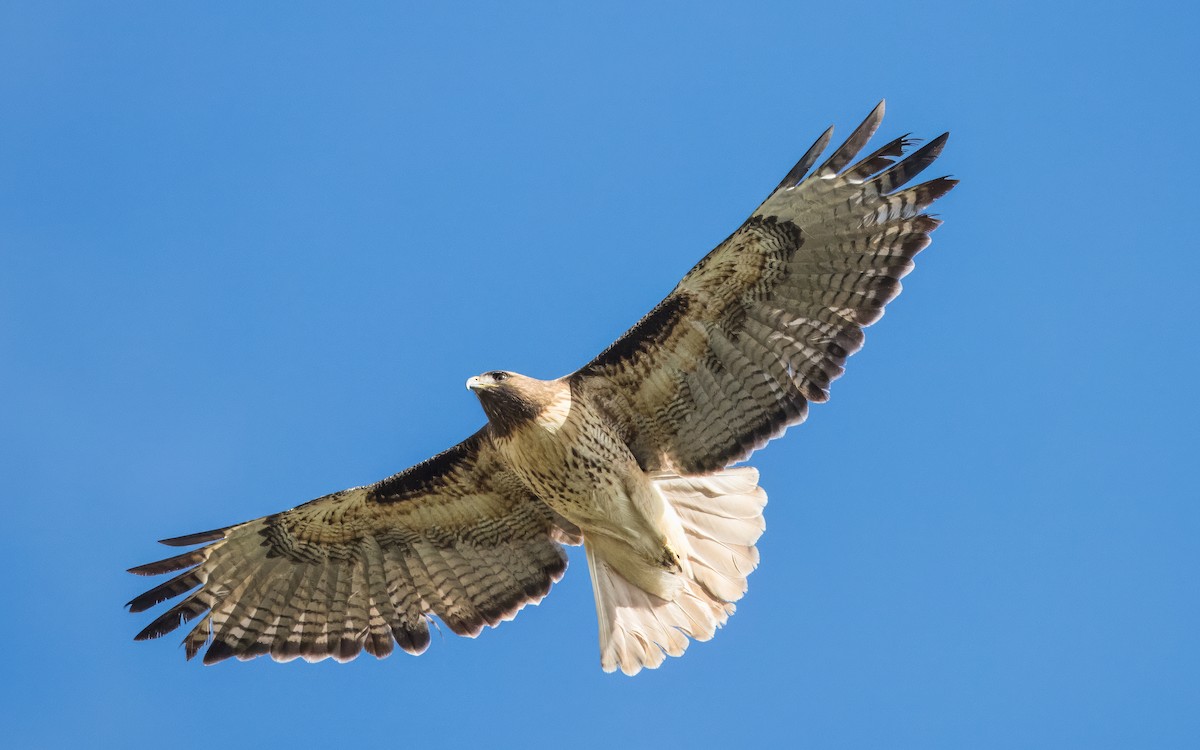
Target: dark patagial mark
x=417 y=480
x=650 y=331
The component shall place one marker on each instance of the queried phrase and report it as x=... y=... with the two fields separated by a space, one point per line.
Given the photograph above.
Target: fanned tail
x=721 y=518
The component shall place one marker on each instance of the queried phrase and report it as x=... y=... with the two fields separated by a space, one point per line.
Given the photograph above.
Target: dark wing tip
x=901 y=172
x=796 y=174
x=854 y=143
x=935 y=145
x=933 y=149
x=168 y=621
x=218 y=651
x=938 y=187
x=883 y=158
x=198 y=538
x=171 y=564
x=180 y=584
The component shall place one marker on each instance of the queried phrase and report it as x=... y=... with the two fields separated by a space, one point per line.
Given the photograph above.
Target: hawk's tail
x=721 y=517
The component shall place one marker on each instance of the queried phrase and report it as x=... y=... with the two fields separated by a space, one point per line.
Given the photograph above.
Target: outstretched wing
x=457 y=536
x=763 y=324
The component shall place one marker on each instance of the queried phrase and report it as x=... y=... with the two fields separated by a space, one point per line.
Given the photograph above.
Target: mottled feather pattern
x=367 y=567
x=634 y=448
x=773 y=312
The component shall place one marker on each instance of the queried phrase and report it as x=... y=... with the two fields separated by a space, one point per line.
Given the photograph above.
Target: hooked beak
x=477 y=384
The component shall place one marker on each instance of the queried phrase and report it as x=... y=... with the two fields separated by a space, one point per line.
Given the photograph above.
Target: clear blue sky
x=249 y=256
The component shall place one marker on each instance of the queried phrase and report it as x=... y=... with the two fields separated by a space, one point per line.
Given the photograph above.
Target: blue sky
x=248 y=256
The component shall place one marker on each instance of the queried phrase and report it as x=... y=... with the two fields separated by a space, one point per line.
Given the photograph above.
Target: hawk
x=632 y=455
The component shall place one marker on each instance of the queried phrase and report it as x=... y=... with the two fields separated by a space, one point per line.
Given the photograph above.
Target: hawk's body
x=629 y=455
x=569 y=455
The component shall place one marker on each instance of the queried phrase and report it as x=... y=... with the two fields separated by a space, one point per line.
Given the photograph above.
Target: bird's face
x=489 y=381
x=510 y=400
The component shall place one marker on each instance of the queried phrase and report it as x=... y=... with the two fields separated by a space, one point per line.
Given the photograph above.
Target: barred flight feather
x=360 y=569
x=787 y=294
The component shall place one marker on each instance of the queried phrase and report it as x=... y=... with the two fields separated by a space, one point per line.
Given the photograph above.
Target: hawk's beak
x=477 y=384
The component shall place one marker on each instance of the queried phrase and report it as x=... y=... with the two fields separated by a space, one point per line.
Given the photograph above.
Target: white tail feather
x=721 y=518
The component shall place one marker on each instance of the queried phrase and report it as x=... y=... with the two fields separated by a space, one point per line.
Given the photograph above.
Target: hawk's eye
x=499 y=376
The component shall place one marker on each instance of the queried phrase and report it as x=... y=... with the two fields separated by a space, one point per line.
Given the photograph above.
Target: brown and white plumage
x=764 y=323
x=457 y=536
x=629 y=455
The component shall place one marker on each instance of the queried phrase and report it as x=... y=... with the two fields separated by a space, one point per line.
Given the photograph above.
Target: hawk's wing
x=764 y=323
x=457 y=536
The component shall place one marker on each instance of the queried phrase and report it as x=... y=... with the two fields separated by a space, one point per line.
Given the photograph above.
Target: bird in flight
x=632 y=455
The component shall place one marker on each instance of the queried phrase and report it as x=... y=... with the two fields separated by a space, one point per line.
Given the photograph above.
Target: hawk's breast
x=575 y=461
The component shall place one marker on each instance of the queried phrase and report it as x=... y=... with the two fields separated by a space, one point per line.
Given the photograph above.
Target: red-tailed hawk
x=631 y=455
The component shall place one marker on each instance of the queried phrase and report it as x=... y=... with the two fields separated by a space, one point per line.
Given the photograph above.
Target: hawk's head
x=510 y=399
